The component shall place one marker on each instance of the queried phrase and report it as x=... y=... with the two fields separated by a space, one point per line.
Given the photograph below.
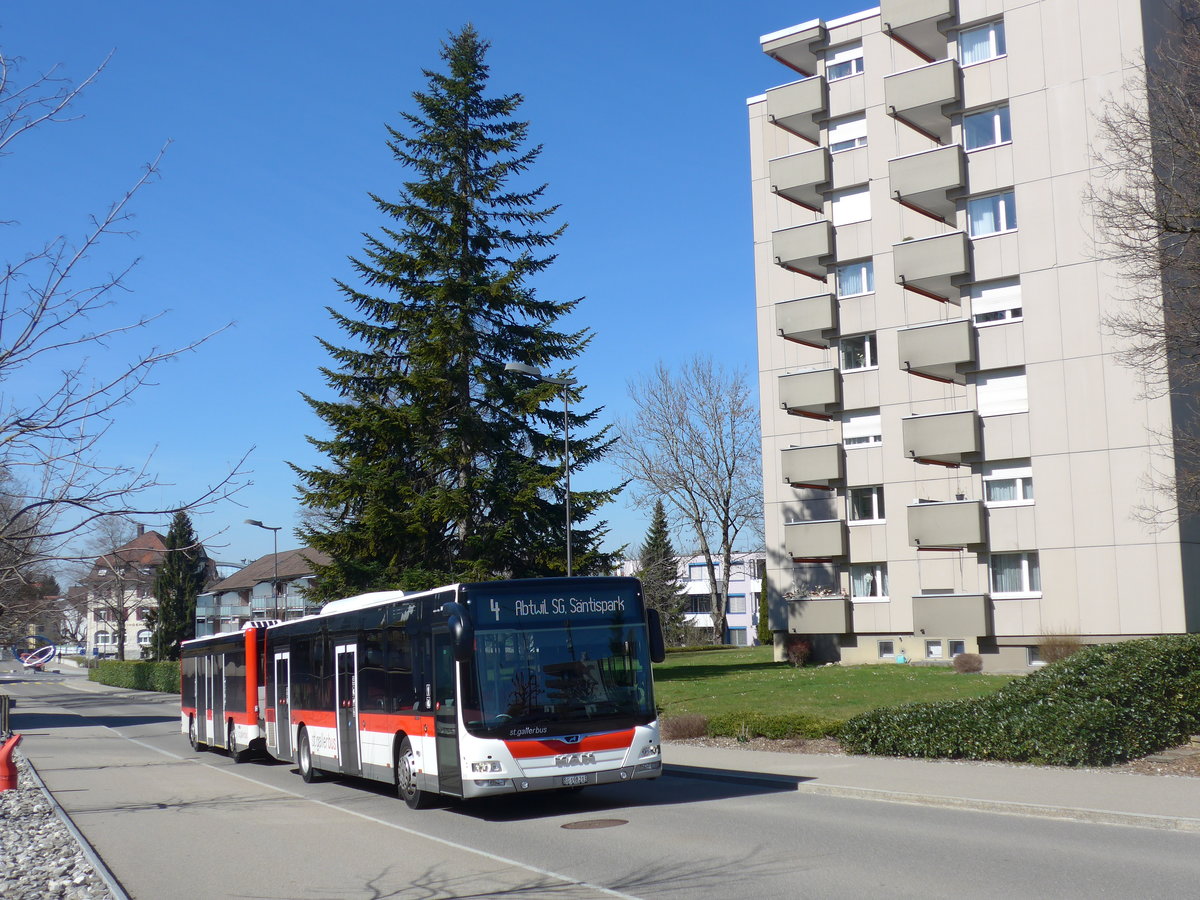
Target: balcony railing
x=944 y=438
x=799 y=107
x=821 y=540
x=952 y=615
x=811 y=321
x=925 y=97
x=813 y=467
x=796 y=48
x=943 y=351
x=819 y=615
x=814 y=394
x=919 y=24
x=933 y=266
x=950 y=524
x=799 y=177
x=929 y=182
x=805 y=249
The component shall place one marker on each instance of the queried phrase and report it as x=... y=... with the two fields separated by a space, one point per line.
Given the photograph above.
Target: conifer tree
x=658 y=569
x=181 y=576
x=440 y=465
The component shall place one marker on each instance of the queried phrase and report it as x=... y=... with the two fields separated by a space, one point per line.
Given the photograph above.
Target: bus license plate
x=574 y=780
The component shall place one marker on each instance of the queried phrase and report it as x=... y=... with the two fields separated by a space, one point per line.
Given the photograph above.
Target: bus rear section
x=472 y=690
x=221 y=691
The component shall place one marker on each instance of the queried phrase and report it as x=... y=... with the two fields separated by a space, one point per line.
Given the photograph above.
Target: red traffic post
x=8 y=768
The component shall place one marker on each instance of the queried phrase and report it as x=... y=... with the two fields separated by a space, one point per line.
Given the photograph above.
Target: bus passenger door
x=202 y=699
x=445 y=696
x=347 y=707
x=283 y=707
x=216 y=664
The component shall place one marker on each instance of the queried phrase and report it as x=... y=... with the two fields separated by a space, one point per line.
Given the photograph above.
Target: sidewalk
x=1085 y=795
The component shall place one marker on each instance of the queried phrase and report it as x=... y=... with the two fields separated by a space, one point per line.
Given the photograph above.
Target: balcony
x=797 y=47
x=813 y=541
x=933 y=266
x=804 y=249
x=952 y=524
x=812 y=467
x=819 y=615
x=942 y=351
x=916 y=24
x=952 y=615
x=925 y=97
x=798 y=177
x=811 y=321
x=798 y=107
x=814 y=394
x=942 y=438
x=929 y=181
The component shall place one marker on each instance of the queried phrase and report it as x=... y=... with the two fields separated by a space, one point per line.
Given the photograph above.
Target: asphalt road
x=176 y=824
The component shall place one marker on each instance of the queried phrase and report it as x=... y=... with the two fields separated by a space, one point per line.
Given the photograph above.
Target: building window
x=851 y=206
x=737 y=637
x=887 y=650
x=859 y=352
x=855 y=278
x=844 y=62
x=1015 y=574
x=866 y=504
x=996 y=302
x=143 y=638
x=1001 y=392
x=993 y=214
x=847 y=133
x=698 y=571
x=987 y=128
x=957 y=648
x=737 y=570
x=868 y=582
x=976 y=45
x=861 y=429
x=699 y=605
x=1008 y=483
x=933 y=650
x=737 y=604
x=103 y=639
x=1034 y=656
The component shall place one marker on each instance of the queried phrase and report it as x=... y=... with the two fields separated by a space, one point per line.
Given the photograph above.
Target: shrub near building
x=1102 y=705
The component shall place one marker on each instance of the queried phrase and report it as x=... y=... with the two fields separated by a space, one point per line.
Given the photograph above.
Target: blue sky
x=275 y=113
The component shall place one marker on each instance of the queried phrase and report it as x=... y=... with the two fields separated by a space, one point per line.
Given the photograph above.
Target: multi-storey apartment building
x=954 y=460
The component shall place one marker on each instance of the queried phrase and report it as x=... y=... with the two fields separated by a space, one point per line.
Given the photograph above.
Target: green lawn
x=710 y=683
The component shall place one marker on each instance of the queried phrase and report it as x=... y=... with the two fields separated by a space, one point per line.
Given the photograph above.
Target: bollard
x=8 y=769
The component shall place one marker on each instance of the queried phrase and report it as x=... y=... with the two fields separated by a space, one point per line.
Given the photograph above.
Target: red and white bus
x=221 y=682
x=467 y=691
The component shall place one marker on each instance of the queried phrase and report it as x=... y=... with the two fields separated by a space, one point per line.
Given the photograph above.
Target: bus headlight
x=487 y=765
x=649 y=750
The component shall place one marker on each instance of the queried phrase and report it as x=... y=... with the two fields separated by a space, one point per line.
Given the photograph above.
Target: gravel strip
x=39 y=857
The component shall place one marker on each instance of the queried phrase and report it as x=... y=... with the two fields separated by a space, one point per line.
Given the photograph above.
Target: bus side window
x=372 y=682
x=400 y=669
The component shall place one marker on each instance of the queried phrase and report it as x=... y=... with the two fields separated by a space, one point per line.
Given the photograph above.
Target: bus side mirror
x=462 y=633
x=658 y=649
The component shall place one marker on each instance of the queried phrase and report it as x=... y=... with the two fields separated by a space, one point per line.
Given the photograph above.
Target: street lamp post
x=564 y=383
x=274 y=529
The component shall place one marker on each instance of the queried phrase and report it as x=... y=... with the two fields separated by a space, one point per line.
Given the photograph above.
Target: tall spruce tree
x=659 y=571
x=181 y=576
x=440 y=465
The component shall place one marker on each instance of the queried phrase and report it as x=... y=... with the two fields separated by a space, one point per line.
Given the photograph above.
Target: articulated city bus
x=221 y=681
x=472 y=690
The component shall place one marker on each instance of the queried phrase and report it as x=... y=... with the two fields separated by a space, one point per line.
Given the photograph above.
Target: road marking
x=454 y=845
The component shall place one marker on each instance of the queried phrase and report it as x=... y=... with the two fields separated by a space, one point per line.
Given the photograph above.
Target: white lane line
x=454 y=845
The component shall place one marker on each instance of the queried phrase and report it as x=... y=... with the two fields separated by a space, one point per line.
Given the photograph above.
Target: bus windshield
x=558 y=680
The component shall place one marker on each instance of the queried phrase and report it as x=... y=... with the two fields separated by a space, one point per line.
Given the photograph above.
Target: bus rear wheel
x=406 y=778
x=304 y=760
x=193 y=738
x=231 y=746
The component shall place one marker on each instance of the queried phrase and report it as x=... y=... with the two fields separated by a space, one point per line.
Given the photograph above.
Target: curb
x=110 y=880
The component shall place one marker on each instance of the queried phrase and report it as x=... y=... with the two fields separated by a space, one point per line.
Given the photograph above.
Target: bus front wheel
x=304 y=760
x=406 y=778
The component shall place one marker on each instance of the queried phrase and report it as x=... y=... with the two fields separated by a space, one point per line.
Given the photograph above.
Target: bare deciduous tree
x=56 y=484
x=694 y=443
x=1146 y=207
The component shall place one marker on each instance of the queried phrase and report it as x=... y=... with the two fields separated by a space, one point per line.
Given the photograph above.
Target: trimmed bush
x=968 y=663
x=681 y=728
x=138 y=674
x=789 y=725
x=798 y=650
x=1102 y=705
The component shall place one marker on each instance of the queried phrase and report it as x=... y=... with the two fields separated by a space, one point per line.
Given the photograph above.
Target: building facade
x=271 y=587
x=954 y=459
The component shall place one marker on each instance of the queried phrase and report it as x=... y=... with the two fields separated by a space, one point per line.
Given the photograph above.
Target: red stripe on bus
x=319 y=717
x=617 y=740
x=390 y=723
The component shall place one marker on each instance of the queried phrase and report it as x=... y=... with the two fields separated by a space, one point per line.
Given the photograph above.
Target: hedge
x=1103 y=705
x=139 y=674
